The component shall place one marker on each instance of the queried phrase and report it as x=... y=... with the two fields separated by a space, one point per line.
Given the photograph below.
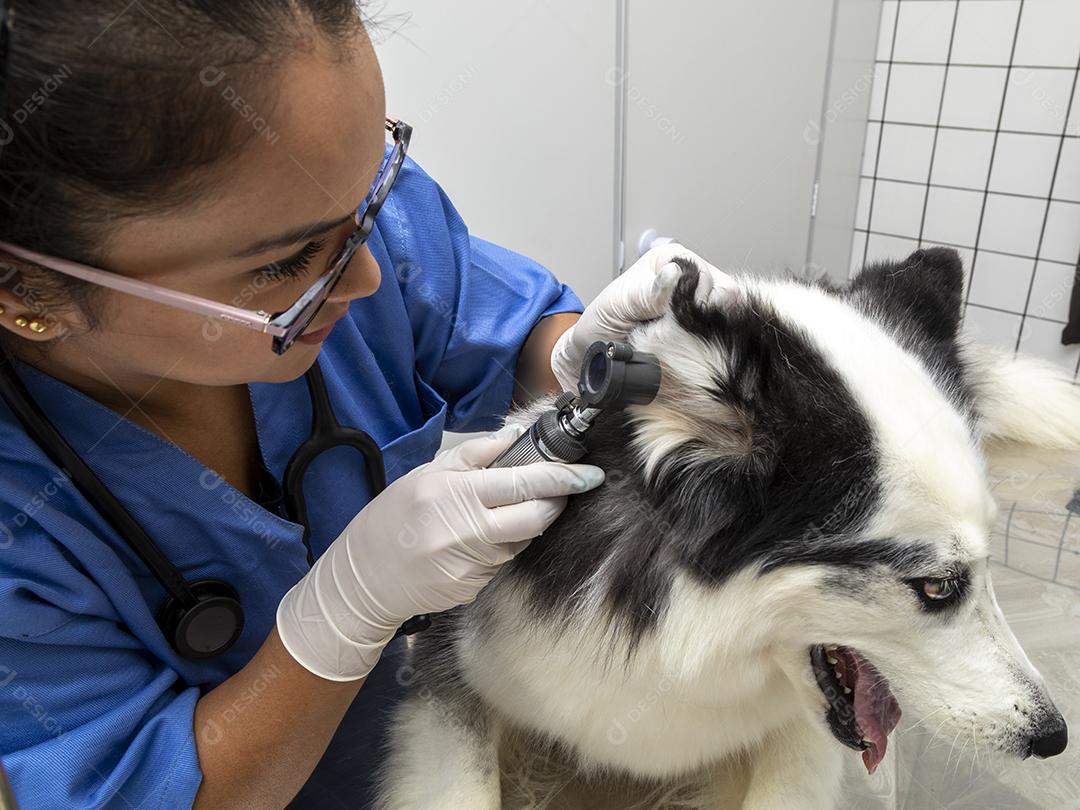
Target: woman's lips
x=319 y=335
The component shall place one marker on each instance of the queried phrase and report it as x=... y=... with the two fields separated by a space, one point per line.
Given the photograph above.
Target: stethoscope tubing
x=56 y=447
x=326 y=434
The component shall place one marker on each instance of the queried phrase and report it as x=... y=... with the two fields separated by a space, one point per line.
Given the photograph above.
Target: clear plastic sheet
x=1035 y=550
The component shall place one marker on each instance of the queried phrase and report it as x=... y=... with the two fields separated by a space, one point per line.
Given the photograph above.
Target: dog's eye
x=938 y=589
x=937 y=592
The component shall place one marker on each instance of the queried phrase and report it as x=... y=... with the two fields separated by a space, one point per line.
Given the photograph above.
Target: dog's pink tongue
x=876 y=711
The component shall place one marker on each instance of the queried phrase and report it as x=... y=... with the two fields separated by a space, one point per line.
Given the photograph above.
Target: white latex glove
x=640 y=293
x=427 y=543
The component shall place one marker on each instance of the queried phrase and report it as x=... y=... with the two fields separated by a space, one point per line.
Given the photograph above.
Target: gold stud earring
x=38 y=326
x=21 y=321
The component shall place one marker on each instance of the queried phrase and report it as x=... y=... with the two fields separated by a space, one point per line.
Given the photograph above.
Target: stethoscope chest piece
x=208 y=627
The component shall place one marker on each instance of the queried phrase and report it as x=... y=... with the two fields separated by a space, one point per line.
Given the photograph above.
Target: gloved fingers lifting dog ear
x=641 y=293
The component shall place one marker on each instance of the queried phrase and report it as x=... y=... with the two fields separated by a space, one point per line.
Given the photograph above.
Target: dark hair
x=116 y=109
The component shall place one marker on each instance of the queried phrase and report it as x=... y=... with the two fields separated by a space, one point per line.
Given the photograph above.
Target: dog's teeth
x=830 y=648
x=838 y=675
x=831 y=660
x=847 y=690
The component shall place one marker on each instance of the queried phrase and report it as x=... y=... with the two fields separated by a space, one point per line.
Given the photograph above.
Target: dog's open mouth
x=862 y=709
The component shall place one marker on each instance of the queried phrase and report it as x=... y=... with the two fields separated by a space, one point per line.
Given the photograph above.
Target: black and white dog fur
x=789 y=548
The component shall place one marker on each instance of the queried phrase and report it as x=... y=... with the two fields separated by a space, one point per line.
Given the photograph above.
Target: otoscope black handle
x=545 y=440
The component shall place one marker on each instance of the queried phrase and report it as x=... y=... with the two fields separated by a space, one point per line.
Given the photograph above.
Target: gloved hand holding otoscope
x=436 y=536
x=611 y=374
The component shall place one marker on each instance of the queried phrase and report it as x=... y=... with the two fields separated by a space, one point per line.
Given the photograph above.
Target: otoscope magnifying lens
x=613 y=373
x=597 y=372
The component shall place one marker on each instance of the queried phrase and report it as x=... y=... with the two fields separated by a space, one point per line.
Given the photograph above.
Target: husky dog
x=789 y=549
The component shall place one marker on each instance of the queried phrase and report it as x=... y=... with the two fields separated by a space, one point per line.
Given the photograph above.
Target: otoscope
x=611 y=374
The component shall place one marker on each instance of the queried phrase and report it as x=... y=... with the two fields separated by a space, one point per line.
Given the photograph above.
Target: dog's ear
x=719 y=354
x=746 y=403
x=924 y=291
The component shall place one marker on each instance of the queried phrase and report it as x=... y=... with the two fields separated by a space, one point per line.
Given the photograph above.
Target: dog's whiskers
x=918 y=723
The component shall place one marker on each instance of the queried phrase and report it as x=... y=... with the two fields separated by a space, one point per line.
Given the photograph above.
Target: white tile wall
x=993 y=327
x=1072 y=129
x=1067 y=186
x=984 y=32
x=1049 y=33
x=1037 y=100
x=1024 y=164
x=962 y=158
x=1001 y=281
x=974 y=142
x=913 y=92
x=1043 y=338
x=877 y=92
x=952 y=216
x=905 y=152
x=922 y=32
x=862 y=210
x=1011 y=224
x=1050 y=291
x=896 y=208
x=1062 y=240
x=972 y=97
x=882 y=247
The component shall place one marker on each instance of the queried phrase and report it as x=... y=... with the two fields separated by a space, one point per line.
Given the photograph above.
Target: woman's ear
x=25 y=314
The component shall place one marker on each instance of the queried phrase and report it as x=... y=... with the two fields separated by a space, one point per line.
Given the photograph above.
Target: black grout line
x=1051 y=546
x=959 y=128
x=1054 y=512
x=993 y=150
x=937 y=124
x=885 y=179
x=1012 y=312
x=911 y=238
x=875 y=177
x=968 y=64
x=1076 y=283
x=1061 y=545
x=1008 y=525
x=1049 y=204
x=1011 y=568
x=881 y=130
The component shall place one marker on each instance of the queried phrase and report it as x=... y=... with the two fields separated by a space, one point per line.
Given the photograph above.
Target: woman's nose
x=360 y=279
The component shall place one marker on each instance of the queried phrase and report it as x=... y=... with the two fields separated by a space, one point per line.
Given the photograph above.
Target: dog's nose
x=1051 y=743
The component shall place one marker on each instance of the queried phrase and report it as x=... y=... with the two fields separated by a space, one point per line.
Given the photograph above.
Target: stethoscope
x=202 y=619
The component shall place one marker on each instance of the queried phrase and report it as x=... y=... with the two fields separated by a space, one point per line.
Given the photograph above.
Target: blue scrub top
x=97 y=708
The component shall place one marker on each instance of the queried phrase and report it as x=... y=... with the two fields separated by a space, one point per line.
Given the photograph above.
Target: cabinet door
x=514 y=115
x=719 y=99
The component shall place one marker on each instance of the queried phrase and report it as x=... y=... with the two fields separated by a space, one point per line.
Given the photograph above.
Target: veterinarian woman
x=170 y=174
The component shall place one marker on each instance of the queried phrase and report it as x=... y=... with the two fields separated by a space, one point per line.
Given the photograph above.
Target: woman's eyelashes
x=293 y=266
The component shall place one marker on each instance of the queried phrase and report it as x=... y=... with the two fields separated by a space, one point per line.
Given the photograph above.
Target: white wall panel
x=719 y=97
x=514 y=116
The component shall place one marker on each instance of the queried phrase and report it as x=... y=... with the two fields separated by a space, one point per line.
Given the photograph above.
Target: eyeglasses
x=284 y=326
